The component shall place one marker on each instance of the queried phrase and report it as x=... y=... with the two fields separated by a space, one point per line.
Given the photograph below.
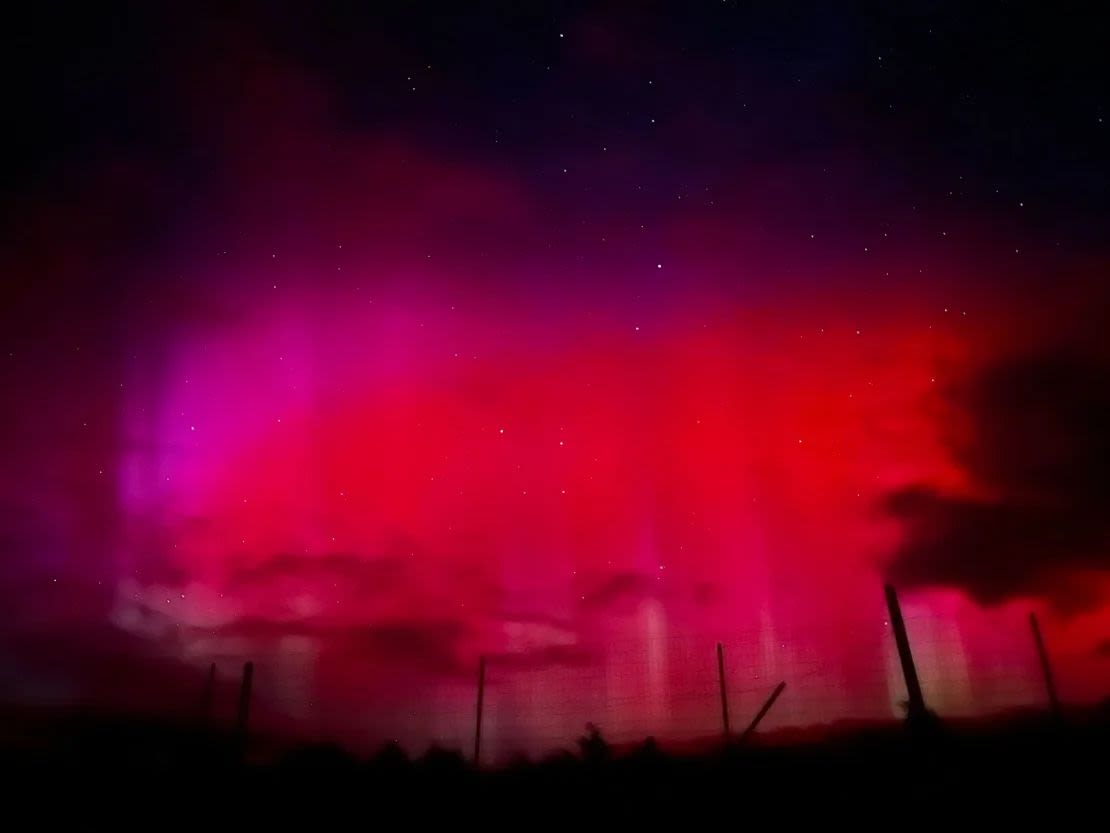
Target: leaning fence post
x=478 y=715
x=1046 y=669
x=724 y=692
x=763 y=711
x=916 y=706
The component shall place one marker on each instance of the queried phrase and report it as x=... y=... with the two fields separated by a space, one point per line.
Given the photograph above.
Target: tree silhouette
x=594 y=748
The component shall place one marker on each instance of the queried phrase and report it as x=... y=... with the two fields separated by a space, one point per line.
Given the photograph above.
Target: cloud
x=536 y=641
x=706 y=593
x=544 y=657
x=432 y=646
x=1033 y=436
x=618 y=590
x=99 y=666
x=360 y=573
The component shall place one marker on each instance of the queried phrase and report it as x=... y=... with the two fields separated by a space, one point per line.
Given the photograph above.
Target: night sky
x=361 y=342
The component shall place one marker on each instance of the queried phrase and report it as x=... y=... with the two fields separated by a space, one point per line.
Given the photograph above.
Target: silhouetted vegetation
x=120 y=775
x=594 y=748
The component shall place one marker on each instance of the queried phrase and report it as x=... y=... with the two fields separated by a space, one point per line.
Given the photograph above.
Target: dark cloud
x=97 y=666
x=707 y=593
x=433 y=646
x=361 y=573
x=545 y=656
x=1033 y=435
x=617 y=590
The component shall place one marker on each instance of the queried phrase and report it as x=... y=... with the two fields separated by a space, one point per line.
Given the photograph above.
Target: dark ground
x=126 y=775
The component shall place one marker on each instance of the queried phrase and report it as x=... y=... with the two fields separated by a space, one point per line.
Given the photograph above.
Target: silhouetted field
x=122 y=774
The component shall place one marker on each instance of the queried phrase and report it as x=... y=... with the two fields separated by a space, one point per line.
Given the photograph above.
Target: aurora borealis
x=364 y=346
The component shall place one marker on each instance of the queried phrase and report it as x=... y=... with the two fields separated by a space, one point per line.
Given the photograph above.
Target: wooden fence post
x=724 y=691
x=916 y=702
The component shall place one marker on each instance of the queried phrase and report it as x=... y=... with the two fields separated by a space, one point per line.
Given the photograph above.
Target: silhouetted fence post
x=244 y=703
x=207 y=696
x=1046 y=669
x=478 y=716
x=724 y=691
x=916 y=702
x=763 y=711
